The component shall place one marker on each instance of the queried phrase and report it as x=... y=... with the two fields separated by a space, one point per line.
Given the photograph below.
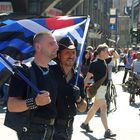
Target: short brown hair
x=101 y=47
x=39 y=36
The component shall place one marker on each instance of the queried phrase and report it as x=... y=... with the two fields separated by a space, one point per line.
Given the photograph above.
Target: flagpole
x=81 y=51
x=13 y=69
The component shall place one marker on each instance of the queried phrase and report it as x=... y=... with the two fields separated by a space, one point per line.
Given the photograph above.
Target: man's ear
x=37 y=47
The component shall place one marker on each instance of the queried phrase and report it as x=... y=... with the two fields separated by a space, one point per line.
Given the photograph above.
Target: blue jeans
x=125 y=74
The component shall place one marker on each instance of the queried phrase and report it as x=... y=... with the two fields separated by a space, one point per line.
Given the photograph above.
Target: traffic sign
x=112 y=26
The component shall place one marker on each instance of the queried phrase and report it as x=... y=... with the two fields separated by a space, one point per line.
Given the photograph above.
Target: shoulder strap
x=100 y=82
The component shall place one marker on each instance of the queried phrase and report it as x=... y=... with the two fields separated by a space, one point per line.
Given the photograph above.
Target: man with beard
x=70 y=96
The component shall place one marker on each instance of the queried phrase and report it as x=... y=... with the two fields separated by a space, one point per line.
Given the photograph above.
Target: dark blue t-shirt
x=18 y=88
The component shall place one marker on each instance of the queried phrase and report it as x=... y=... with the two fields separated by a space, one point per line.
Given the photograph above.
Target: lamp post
x=138 y=25
x=132 y=22
x=132 y=11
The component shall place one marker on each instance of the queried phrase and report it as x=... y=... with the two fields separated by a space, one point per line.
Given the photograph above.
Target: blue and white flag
x=16 y=38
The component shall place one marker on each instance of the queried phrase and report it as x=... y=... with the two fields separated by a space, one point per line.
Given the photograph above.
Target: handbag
x=17 y=121
x=20 y=121
x=92 y=89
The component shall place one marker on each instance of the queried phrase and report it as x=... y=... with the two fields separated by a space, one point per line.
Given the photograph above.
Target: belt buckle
x=51 y=121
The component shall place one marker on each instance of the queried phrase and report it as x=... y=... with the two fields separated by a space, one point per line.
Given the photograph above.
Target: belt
x=64 y=122
x=43 y=121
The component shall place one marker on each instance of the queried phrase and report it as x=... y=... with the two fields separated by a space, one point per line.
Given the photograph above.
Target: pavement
x=125 y=121
x=5 y=132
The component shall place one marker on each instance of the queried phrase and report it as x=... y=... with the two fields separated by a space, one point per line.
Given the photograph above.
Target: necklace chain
x=44 y=72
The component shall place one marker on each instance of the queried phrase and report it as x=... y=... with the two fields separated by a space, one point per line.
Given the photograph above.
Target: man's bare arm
x=87 y=78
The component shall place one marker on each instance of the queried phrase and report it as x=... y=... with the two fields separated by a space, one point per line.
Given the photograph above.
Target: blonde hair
x=101 y=47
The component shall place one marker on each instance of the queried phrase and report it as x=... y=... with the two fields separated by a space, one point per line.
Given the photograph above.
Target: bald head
x=38 y=37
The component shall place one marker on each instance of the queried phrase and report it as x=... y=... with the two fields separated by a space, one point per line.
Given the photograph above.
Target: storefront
x=6 y=7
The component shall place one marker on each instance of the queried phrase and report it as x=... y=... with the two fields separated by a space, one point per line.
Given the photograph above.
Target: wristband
x=30 y=102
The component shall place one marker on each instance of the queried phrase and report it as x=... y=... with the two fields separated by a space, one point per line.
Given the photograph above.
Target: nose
x=55 y=46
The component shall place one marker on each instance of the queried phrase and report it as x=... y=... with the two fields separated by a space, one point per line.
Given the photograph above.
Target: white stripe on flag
x=71 y=30
x=6 y=65
x=79 y=59
x=74 y=33
x=32 y=26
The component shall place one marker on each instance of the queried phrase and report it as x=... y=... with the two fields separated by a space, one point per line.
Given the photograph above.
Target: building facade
x=99 y=30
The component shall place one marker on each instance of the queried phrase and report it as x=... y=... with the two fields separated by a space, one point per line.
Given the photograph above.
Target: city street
x=125 y=122
x=76 y=25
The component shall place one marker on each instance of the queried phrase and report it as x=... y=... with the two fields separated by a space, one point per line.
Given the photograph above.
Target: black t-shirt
x=98 y=69
x=18 y=88
x=65 y=104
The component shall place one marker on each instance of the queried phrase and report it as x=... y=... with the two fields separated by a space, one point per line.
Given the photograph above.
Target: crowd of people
x=131 y=62
x=60 y=97
x=52 y=110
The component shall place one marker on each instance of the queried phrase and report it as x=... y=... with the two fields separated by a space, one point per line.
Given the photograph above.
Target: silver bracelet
x=30 y=102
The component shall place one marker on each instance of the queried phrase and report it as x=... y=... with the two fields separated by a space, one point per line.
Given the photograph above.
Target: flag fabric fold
x=16 y=37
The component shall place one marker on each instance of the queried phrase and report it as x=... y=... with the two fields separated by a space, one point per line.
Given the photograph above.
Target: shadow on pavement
x=107 y=139
x=136 y=105
x=91 y=137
